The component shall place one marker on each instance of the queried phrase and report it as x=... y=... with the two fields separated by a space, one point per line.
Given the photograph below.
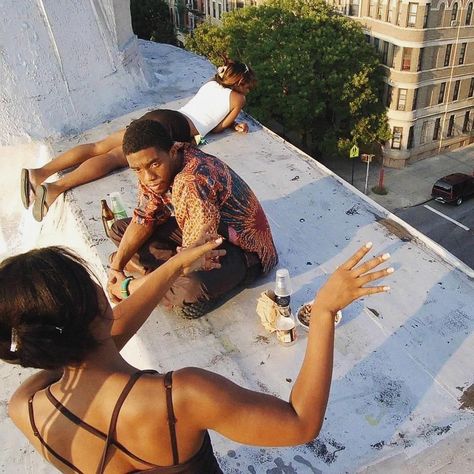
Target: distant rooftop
x=402 y=393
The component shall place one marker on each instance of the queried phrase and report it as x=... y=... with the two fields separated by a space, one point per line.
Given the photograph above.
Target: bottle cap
x=283 y=283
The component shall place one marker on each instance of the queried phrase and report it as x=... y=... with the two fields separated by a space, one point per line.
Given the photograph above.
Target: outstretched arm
x=131 y=313
x=237 y=102
x=260 y=419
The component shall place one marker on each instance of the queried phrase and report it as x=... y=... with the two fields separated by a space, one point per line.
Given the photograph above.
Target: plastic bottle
x=283 y=289
x=285 y=324
x=108 y=217
x=117 y=206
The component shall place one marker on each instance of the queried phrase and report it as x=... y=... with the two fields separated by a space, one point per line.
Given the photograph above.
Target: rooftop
x=402 y=393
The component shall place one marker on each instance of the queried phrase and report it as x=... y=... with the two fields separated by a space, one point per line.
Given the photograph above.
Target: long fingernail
x=368 y=245
x=386 y=288
x=385 y=256
x=390 y=270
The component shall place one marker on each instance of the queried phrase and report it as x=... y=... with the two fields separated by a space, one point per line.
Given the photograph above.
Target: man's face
x=155 y=168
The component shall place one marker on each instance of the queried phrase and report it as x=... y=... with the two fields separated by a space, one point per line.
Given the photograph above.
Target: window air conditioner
x=454 y=23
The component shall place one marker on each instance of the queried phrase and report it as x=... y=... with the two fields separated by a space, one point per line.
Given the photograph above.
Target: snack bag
x=268 y=310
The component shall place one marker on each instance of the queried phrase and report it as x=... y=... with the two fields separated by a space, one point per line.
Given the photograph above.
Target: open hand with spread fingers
x=349 y=281
x=200 y=255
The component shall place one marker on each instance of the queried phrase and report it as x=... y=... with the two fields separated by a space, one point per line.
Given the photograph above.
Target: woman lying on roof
x=214 y=108
x=89 y=410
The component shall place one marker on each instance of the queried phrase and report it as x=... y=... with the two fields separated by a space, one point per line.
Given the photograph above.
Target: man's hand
x=202 y=255
x=114 y=283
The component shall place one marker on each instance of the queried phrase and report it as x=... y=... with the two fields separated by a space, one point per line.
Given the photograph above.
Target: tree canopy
x=151 y=21
x=317 y=75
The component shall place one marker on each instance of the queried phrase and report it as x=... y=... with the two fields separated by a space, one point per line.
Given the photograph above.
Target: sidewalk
x=409 y=186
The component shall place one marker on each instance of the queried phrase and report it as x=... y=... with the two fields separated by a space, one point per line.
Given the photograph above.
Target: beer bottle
x=107 y=217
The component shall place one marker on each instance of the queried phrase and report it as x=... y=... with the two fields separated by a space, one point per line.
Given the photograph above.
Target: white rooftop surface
x=403 y=360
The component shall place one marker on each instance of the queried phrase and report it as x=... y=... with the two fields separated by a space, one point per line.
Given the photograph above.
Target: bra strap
x=171 y=418
x=115 y=414
x=43 y=442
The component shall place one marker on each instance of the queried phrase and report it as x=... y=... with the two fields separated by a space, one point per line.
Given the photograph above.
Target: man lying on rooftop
x=182 y=192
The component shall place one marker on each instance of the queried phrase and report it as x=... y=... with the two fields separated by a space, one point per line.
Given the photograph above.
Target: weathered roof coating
x=403 y=360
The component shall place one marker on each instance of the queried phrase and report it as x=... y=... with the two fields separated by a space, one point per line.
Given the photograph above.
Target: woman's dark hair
x=143 y=134
x=47 y=300
x=234 y=73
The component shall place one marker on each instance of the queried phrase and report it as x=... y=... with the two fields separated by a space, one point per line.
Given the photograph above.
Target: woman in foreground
x=214 y=108
x=91 y=411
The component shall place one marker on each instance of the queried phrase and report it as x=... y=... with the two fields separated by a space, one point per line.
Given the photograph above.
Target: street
x=450 y=226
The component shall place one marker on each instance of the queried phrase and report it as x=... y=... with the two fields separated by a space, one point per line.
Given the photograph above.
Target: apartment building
x=214 y=9
x=186 y=15
x=427 y=49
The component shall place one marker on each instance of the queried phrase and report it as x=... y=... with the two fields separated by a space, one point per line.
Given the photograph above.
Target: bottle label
x=286 y=336
x=282 y=300
x=120 y=214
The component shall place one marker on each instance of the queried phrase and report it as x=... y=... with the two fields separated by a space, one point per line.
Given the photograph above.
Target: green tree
x=317 y=76
x=151 y=21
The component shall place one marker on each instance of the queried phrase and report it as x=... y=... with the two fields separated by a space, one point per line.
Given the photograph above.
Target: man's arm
x=133 y=238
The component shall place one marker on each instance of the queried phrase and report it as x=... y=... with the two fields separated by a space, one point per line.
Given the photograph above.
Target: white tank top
x=208 y=107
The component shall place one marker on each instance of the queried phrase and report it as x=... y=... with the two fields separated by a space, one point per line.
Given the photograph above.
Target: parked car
x=453 y=188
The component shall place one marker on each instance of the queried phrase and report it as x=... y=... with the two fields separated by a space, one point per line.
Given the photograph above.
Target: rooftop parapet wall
x=65 y=66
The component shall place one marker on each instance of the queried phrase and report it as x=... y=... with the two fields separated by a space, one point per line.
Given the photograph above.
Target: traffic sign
x=354 y=152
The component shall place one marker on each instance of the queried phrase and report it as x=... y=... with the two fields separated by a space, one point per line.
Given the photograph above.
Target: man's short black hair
x=143 y=134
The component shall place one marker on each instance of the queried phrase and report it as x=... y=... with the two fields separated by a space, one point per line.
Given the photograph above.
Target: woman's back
x=114 y=423
x=208 y=107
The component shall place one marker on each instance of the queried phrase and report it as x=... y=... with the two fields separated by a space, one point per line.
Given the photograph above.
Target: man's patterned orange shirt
x=207 y=192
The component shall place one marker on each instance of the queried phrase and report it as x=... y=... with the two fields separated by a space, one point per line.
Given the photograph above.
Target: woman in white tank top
x=214 y=108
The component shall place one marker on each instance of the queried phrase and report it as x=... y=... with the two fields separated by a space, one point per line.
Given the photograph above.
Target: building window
x=447 y=55
x=394 y=54
x=454 y=13
x=214 y=9
x=468 y=14
x=424 y=129
x=379 y=10
x=410 y=138
x=412 y=9
x=420 y=59
x=367 y=38
x=385 y=46
x=450 y=126
x=425 y=17
x=399 y=14
x=354 y=8
x=373 y=8
x=456 y=90
x=465 y=125
x=415 y=99
x=402 y=99
x=390 y=10
x=442 y=88
x=397 y=138
x=376 y=43
x=471 y=88
x=388 y=98
x=436 y=129
x=462 y=53
x=406 y=59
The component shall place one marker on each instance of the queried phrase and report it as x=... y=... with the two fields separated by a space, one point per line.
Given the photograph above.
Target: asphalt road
x=432 y=218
